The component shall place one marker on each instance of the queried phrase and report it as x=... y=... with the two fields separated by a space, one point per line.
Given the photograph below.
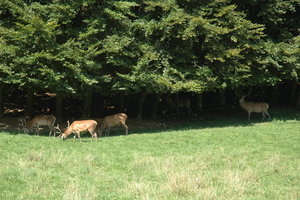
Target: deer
x=253 y=107
x=111 y=121
x=183 y=102
x=37 y=121
x=80 y=126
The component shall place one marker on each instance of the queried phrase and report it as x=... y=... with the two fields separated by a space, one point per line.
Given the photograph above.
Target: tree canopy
x=75 y=47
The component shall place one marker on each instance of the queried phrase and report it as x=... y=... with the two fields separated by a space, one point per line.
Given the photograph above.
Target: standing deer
x=79 y=126
x=254 y=107
x=37 y=121
x=111 y=121
x=183 y=103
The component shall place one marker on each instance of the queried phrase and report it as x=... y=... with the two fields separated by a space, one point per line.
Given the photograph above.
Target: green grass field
x=212 y=158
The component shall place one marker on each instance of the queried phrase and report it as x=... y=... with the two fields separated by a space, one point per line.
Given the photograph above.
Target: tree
x=76 y=48
x=45 y=56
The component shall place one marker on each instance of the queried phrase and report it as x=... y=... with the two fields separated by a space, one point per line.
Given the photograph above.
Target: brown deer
x=183 y=103
x=37 y=121
x=111 y=121
x=79 y=126
x=254 y=107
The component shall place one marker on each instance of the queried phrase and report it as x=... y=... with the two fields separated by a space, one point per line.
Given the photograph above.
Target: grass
x=214 y=158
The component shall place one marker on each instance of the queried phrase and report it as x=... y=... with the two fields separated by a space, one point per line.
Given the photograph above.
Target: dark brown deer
x=183 y=103
x=111 y=121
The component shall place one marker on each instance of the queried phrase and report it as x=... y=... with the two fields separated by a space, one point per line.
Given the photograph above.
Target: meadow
x=210 y=158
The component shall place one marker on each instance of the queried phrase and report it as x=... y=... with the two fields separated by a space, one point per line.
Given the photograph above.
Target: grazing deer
x=111 y=121
x=37 y=121
x=183 y=102
x=254 y=107
x=79 y=126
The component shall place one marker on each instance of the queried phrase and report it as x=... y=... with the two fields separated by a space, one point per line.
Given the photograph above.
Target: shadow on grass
x=208 y=119
x=230 y=118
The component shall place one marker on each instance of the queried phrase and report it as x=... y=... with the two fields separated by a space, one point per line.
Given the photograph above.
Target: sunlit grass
x=215 y=158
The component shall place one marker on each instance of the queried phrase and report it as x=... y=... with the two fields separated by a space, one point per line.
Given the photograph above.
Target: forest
x=128 y=56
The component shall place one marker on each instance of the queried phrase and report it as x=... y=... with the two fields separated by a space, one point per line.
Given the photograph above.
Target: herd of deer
x=76 y=127
x=120 y=119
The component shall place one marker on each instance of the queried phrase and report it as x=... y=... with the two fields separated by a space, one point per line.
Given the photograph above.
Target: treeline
x=118 y=48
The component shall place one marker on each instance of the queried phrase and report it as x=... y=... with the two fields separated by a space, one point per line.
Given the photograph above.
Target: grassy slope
x=215 y=158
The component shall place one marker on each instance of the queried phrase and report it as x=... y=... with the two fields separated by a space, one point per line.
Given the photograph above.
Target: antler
x=58 y=132
x=68 y=122
x=239 y=92
x=249 y=91
x=23 y=122
x=57 y=128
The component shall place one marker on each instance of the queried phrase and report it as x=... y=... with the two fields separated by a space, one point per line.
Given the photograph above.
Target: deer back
x=79 y=126
x=255 y=107
x=183 y=102
x=113 y=120
x=41 y=120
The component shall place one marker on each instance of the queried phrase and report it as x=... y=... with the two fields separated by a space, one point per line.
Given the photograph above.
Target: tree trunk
x=222 y=97
x=274 y=95
x=199 y=103
x=122 y=105
x=293 y=89
x=155 y=105
x=87 y=105
x=141 y=103
x=1 y=100
x=58 y=108
x=29 y=103
x=263 y=97
x=177 y=105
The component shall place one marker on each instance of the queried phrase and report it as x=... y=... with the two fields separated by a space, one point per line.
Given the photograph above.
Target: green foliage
x=165 y=46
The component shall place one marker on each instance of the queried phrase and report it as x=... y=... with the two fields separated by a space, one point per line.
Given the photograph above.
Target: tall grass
x=214 y=158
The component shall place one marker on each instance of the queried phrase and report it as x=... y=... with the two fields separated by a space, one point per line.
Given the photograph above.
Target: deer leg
x=50 y=133
x=75 y=133
x=93 y=134
x=100 y=134
x=263 y=116
x=126 y=128
x=249 y=114
x=107 y=131
x=268 y=114
x=37 y=130
x=78 y=135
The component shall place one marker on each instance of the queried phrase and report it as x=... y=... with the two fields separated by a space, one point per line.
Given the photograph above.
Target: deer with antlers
x=37 y=121
x=111 y=121
x=252 y=107
x=80 y=126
